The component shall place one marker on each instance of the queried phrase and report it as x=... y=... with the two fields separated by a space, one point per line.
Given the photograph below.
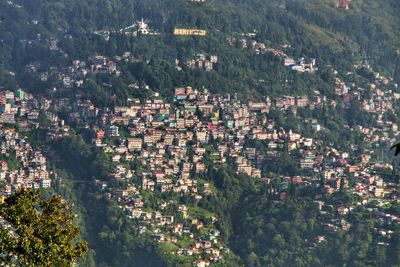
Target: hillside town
x=199 y=133
x=22 y=166
x=166 y=147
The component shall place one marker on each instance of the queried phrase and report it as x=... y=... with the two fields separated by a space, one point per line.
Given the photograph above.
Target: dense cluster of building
x=21 y=166
x=165 y=147
x=19 y=107
x=201 y=61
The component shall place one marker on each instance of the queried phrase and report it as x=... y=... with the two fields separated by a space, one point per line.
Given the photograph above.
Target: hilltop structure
x=188 y=32
x=343 y=4
x=143 y=28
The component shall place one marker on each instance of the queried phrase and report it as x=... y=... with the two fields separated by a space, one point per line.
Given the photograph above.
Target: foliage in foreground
x=39 y=233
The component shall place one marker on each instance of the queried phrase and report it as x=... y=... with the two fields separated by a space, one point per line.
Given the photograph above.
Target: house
x=112 y=131
x=201 y=263
x=378 y=192
x=45 y=183
x=8 y=118
x=134 y=143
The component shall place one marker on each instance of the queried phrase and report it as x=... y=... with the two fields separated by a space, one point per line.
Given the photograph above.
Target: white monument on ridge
x=143 y=28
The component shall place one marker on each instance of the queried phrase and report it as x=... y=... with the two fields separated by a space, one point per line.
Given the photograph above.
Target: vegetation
x=109 y=233
x=41 y=232
x=313 y=29
x=270 y=233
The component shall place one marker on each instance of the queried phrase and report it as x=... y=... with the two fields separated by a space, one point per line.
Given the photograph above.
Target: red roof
x=212 y=127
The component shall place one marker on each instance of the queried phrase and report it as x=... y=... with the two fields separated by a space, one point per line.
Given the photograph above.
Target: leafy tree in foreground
x=41 y=233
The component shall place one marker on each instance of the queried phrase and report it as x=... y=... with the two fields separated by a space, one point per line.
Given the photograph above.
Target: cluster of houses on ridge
x=201 y=61
x=172 y=141
x=160 y=146
x=298 y=65
x=21 y=166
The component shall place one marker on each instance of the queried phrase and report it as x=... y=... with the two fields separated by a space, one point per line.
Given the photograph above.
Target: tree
x=341 y=189
x=39 y=233
x=397 y=71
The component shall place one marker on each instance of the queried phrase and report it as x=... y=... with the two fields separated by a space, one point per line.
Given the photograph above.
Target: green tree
x=397 y=71
x=40 y=232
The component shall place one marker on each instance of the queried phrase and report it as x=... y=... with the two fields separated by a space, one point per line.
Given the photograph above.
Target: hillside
x=313 y=29
x=224 y=132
